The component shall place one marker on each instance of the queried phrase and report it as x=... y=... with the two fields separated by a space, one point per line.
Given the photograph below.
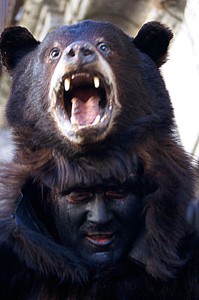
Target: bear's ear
x=15 y=42
x=153 y=39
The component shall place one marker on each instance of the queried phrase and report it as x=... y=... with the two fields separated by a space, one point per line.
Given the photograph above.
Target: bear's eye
x=103 y=47
x=55 y=53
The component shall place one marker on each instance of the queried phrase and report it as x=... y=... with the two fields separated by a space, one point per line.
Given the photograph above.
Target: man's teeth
x=67 y=82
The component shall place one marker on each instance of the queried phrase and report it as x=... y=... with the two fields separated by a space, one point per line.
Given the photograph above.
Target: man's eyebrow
x=73 y=188
x=128 y=184
x=78 y=187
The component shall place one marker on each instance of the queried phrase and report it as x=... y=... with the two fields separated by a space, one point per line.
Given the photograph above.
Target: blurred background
x=181 y=72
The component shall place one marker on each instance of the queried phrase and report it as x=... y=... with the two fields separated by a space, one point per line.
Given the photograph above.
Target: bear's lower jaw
x=83 y=134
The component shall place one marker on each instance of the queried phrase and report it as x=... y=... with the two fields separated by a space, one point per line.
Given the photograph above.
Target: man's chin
x=103 y=253
x=103 y=259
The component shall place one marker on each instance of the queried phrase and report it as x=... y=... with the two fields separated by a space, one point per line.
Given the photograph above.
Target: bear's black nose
x=80 y=52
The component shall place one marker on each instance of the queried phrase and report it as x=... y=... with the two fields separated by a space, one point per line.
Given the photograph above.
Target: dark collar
x=26 y=216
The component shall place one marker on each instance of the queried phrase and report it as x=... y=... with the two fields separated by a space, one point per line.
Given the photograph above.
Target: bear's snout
x=80 y=53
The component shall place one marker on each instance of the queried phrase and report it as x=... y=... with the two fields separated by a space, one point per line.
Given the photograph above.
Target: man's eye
x=79 y=196
x=118 y=194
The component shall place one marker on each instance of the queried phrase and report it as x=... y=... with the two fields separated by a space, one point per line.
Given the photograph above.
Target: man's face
x=100 y=223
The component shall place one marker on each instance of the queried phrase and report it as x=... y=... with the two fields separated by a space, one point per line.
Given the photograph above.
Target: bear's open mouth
x=83 y=104
x=86 y=99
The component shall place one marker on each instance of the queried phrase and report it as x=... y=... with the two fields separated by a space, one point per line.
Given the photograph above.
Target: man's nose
x=80 y=52
x=99 y=211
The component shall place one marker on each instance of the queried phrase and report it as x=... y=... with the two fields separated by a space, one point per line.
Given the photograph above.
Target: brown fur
x=140 y=143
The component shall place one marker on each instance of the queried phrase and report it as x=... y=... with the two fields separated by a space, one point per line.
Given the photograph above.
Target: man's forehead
x=105 y=185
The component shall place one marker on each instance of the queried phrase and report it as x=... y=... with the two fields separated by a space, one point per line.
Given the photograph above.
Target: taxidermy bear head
x=85 y=83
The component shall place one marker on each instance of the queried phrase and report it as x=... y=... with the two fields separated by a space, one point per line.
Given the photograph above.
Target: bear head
x=85 y=83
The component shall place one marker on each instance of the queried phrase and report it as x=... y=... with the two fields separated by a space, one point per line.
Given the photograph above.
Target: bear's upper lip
x=86 y=97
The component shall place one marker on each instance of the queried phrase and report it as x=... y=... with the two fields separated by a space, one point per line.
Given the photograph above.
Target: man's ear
x=15 y=43
x=153 y=39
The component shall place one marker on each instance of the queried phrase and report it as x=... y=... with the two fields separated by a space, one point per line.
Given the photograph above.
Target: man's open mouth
x=101 y=239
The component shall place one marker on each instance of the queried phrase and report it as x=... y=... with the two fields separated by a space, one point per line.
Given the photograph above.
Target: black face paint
x=100 y=223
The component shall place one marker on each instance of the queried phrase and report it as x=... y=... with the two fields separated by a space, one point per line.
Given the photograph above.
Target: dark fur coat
x=35 y=266
x=135 y=137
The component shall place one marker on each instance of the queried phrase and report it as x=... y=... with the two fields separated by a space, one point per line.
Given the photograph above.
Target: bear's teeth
x=96 y=121
x=67 y=84
x=73 y=121
x=96 y=82
x=104 y=117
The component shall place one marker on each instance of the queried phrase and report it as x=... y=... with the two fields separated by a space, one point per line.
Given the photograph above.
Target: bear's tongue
x=85 y=106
